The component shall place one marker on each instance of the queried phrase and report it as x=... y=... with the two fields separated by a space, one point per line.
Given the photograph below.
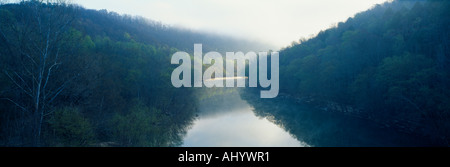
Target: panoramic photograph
x=224 y=73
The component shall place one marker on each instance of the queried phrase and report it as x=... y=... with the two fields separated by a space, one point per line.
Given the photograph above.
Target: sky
x=276 y=22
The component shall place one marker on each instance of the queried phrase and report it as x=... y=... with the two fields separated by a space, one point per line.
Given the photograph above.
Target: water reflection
x=322 y=129
x=232 y=118
x=227 y=120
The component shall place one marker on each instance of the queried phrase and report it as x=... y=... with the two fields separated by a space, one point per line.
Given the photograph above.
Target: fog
x=277 y=22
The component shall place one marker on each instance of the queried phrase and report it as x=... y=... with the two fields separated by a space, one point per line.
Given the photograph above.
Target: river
x=239 y=118
x=231 y=122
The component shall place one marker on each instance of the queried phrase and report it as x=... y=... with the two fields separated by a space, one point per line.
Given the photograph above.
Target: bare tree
x=35 y=42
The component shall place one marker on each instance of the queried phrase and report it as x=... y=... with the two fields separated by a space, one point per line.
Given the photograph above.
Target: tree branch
x=12 y=101
x=14 y=81
x=49 y=73
x=29 y=89
x=61 y=88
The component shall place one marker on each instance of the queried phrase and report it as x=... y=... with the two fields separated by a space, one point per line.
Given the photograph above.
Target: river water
x=241 y=119
x=231 y=122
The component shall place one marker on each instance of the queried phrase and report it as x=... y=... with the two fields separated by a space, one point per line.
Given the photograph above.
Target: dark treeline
x=77 y=77
x=391 y=63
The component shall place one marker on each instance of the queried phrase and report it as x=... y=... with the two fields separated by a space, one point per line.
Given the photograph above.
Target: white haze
x=277 y=22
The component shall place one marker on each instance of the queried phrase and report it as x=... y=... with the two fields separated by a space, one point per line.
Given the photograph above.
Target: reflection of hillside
x=221 y=101
x=319 y=128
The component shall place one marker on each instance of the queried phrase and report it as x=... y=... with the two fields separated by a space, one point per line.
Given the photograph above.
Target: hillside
x=391 y=63
x=77 y=77
x=102 y=22
x=71 y=76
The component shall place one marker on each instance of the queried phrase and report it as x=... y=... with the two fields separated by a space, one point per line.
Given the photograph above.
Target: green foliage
x=109 y=61
x=141 y=126
x=389 y=61
x=70 y=128
x=6 y=16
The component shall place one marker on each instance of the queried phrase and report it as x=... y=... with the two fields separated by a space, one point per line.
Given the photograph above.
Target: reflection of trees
x=218 y=101
x=319 y=128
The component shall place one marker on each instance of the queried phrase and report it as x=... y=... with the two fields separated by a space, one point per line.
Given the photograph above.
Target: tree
x=141 y=127
x=390 y=62
x=33 y=39
x=68 y=127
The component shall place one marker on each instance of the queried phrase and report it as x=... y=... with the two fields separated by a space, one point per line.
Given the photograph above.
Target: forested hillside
x=123 y=27
x=71 y=76
x=392 y=63
x=77 y=77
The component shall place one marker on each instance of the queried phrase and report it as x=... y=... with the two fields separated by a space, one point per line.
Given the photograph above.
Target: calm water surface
x=230 y=121
x=239 y=118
